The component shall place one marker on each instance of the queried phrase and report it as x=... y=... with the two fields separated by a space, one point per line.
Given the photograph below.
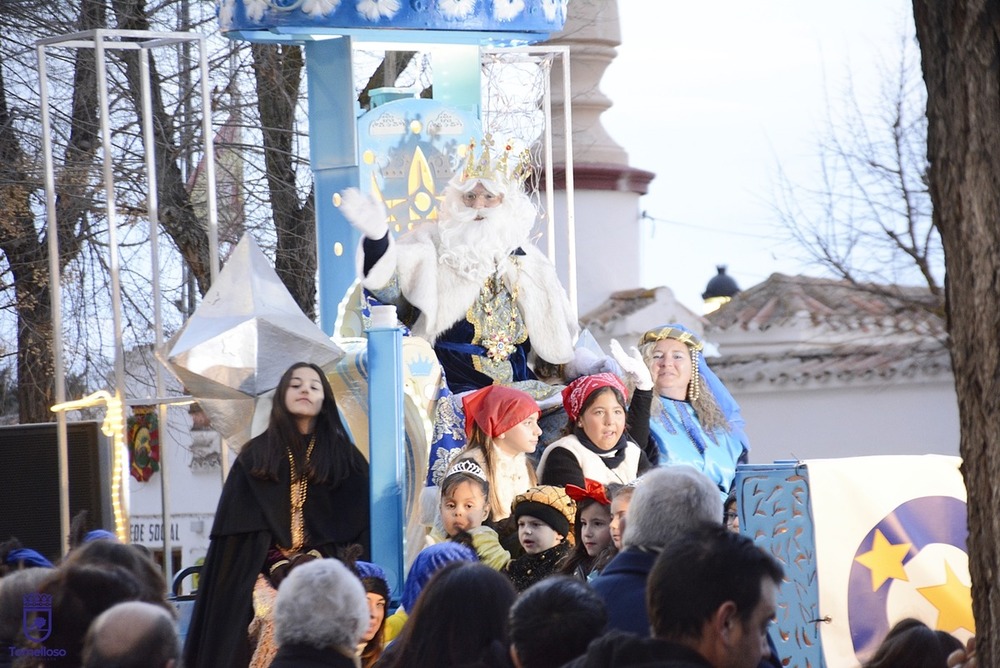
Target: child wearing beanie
x=544 y=516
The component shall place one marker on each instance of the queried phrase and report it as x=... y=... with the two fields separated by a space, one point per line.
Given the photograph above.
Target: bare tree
x=869 y=221
x=960 y=55
x=257 y=90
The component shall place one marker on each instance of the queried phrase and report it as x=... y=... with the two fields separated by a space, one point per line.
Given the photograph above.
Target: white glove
x=633 y=365
x=364 y=212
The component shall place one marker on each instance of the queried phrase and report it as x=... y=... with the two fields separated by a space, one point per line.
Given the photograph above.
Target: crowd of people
x=609 y=544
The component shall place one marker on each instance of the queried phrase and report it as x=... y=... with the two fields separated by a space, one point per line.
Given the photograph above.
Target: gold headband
x=675 y=333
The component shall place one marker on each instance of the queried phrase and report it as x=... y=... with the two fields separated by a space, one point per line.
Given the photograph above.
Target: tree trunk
x=278 y=70
x=27 y=250
x=960 y=53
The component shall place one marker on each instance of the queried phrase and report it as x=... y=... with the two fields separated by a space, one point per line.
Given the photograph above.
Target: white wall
x=607 y=244
x=808 y=422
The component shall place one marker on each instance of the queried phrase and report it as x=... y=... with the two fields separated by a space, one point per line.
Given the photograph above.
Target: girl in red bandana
x=596 y=443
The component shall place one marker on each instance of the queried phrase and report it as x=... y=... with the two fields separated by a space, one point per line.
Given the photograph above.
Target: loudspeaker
x=29 y=482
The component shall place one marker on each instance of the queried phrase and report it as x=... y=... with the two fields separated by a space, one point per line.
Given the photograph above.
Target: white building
x=822 y=368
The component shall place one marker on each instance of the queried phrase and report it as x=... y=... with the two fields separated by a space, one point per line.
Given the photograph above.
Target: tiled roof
x=900 y=363
x=619 y=305
x=799 y=330
x=782 y=300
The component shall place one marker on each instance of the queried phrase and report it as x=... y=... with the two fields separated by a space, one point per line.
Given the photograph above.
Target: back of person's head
x=668 y=501
x=134 y=634
x=80 y=592
x=912 y=644
x=428 y=562
x=460 y=616
x=13 y=587
x=321 y=604
x=700 y=570
x=134 y=559
x=553 y=621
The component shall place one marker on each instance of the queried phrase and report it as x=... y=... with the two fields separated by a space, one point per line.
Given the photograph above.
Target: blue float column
x=774 y=509
x=333 y=154
x=386 y=452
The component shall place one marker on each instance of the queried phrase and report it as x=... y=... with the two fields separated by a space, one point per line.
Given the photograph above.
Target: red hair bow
x=593 y=490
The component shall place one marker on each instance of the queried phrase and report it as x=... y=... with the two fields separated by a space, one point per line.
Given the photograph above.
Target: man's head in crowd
x=134 y=634
x=667 y=501
x=714 y=591
x=322 y=605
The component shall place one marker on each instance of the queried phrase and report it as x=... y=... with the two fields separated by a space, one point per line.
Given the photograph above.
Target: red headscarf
x=577 y=392
x=496 y=409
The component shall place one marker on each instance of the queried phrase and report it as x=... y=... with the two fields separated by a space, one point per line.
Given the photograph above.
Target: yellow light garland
x=113 y=426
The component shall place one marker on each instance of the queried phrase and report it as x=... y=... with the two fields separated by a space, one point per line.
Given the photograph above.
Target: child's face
x=464 y=508
x=595 y=528
x=604 y=420
x=535 y=535
x=619 y=506
x=522 y=437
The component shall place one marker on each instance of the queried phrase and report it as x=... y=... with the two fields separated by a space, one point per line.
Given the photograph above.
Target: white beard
x=476 y=247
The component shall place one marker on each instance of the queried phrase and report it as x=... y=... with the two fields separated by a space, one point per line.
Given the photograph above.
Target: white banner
x=890 y=543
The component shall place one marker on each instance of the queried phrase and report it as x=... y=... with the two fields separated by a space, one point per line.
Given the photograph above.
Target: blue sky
x=713 y=97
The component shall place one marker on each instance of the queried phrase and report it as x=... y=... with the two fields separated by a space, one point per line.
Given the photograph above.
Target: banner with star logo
x=890 y=536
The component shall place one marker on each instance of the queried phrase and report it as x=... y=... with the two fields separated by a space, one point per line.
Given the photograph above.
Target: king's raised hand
x=364 y=213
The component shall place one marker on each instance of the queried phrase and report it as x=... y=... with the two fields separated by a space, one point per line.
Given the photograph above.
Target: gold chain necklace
x=298 y=489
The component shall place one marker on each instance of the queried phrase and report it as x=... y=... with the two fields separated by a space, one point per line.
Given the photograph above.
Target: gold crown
x=507 y=168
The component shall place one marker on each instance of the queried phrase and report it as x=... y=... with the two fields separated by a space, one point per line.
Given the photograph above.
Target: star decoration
x=246 y=332
x=884 y=560
x=953 y=601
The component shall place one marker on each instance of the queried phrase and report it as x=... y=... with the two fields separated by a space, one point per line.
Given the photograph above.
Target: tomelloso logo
x=37 y=619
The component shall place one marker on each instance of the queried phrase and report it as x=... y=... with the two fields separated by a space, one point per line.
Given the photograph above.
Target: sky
x=713 y=97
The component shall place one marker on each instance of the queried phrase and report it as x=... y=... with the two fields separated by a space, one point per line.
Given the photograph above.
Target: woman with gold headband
x=693 y=420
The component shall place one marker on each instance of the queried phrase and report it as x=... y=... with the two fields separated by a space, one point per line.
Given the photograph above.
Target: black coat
x=625 y=650
x=622 y=587
x=303 y=656
x=252 y=516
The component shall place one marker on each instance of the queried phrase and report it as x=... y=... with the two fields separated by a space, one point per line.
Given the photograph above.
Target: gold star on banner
x=953 y=601
x=884 y=560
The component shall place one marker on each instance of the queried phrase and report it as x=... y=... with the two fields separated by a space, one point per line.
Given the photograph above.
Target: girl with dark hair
x=297 y=491
x=459 y=620
x=912 y=644
x=592 y=529
x=377 y=592
x=596 y=444
x=464 y=508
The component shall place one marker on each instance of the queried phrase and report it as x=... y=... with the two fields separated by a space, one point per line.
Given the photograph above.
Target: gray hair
x=667 y=501
x=321 y=604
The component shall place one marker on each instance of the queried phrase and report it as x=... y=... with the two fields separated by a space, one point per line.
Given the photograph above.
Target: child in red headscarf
x=501 y=425
x=596 y=443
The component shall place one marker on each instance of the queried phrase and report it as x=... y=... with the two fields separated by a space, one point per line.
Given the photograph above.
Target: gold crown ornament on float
x=505 y=166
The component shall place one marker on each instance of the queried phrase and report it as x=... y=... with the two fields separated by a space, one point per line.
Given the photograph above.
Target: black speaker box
x=29 y=482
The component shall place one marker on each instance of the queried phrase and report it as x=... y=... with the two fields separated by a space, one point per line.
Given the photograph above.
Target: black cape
x=252 y=515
